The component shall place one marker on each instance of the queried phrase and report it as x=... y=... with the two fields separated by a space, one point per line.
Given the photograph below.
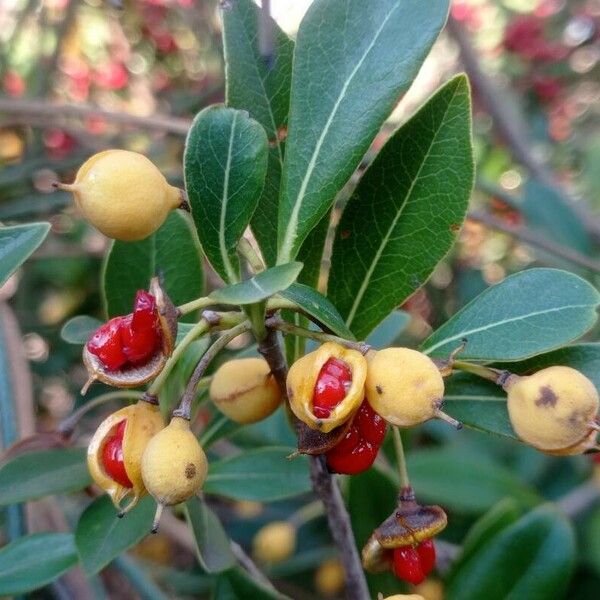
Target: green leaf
x=79 y=329
x=532 y=558
x=238 y=584
x=545 y=210
x=371 y=500
x=389 y=329
x=591 y=542
x=33 y=561
x=318 y=308
x=101 y=536
x=225 y=164
x=351 y=64
x=406 y=212
x=37 y=474
x=260 y=287
x=17 y=244
x=526 y=314
x=213 y=547
x=264 y=91
x=464 y=482
x=263 y=475
x=171 y=253
x=478 y=404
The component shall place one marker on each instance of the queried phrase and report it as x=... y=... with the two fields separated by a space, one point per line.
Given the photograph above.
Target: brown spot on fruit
x=547 y=397
x=379 y=389
x=190 y=471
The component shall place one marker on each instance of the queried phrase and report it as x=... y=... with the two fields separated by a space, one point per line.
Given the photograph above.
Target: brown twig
x=324 y=486
x=508 y=128
x=533 y=239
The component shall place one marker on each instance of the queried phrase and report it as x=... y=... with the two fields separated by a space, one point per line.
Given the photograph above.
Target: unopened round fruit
x=275 y=542
x=330 y=577
x=404 y=386
x=245 y=390
x=554 y=410
x=123 y=194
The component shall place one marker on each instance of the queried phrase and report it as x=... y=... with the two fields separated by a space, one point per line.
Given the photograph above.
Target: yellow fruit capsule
x=123 y=194
x=303 y=376
x=405 y=387
x=554 y=410
x=245 y=390
x=330 y=578
x=275 y=542
x=142 y=421
x=174 y=466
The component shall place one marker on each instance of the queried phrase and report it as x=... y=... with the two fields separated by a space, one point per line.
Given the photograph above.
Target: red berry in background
x=333 y=383
x=547 y=89
x=112 y=76
x=106 y=345
x=112 y=457
x=426 y=552
x=13 y=84
x=407 y=565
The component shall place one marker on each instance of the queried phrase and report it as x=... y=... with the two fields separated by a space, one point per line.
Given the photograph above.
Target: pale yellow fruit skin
x=405 y=597
x=123 y=194
x=174 y=465
x=275 y=542
x=330 y=577
x=552 y=409
x=143 y=422
x=302 y=378
x=404 y=386
x=245 y=391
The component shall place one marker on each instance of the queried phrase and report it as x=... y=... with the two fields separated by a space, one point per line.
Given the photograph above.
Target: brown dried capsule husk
x=143 y=421
x=409 y=525
x=302 y=378
x=314 y=442
x=135 y=376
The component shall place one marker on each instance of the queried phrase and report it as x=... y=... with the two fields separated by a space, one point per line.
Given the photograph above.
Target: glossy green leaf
x=528 y=313
x=264 y=475
x=343 y=50
x=213 y=547
x=318 y=308
x=406 y=211
x=260 y=287
x=37 y=474
x=33 y=561
x=532 y=558
x=225 y=165
x=171 y=253
x=264 y=91
x=389 y=329
x=101 y=536
x=463 y=482
x=545 y=210
x=219 y=426
x=17 y=243
x=79 y=329
x=238 y=584
x=371 y=500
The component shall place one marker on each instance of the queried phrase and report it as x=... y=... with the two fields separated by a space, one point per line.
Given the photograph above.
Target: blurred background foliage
x=80 y=76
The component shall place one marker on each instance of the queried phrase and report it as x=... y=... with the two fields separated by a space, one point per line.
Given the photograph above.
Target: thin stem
x=199 y=329
x=498 y=376
x=246 y=249
x=68 y=425
x=197 y=304
x=310 y=511
x=185 y=406
x=400 y=459
x=285 y=327
x=324 y=486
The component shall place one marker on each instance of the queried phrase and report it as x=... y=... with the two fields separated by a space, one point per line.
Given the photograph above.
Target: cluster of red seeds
x=413 y=564
x=112 y=456
x=128 y=340
x=357 y=450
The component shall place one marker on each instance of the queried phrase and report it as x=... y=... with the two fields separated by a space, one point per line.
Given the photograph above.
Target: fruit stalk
x=324 y=487
x=401 y=460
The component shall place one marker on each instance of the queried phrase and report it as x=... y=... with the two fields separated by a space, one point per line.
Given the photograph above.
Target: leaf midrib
x=290 y=233
x=384 y=242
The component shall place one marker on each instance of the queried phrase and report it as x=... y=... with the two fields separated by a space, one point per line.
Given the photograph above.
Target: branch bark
x=324 y=487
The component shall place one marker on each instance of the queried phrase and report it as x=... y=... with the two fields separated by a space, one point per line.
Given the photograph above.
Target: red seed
x=426 y=552
x=407 y=565
x=333 y=382
x=106 y=345
x=370 y=425
x=112 y=457
x=138 y=346
x=145 y=315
